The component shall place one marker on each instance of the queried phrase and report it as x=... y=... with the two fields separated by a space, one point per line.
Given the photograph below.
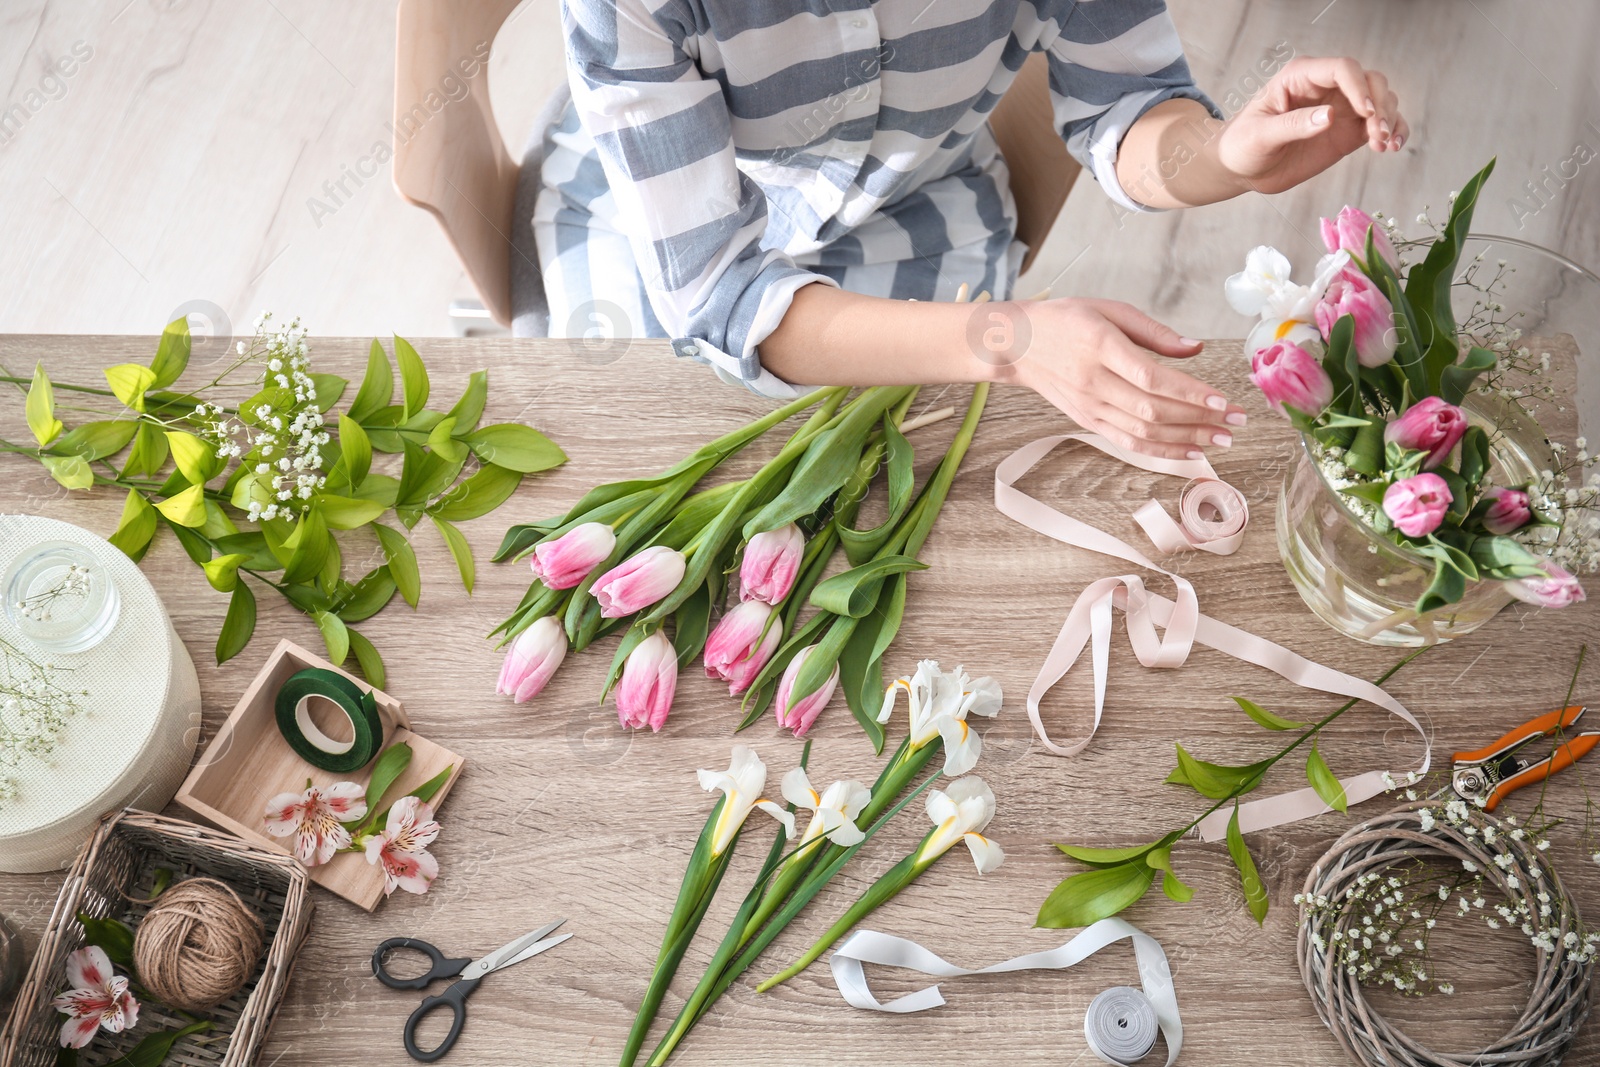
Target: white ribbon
x=1118 y=1023
x=1212 y=518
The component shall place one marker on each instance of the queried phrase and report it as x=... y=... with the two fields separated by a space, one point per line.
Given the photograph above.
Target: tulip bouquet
x=843 y=817
x=1370 y=364
x=637 y=555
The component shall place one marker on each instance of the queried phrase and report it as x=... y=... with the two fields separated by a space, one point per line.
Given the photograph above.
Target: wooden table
x=562 y=814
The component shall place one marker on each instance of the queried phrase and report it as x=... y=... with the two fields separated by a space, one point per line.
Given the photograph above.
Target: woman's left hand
x=1313 y=113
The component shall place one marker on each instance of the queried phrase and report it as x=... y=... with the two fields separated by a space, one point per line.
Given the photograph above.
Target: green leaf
x=195 y=459
x=1086 y=898
x=1474 y=455
x=855 y=591
x=1366 y=450
x=115 y=938
x=346 y=512
x=515 y=447
x=413 y=377
x=356 y=449
x=691 y=624
x=153 y=1049
x=377 y=385
x=486 y=489
x=1217 y=781
x=1503 y=553
x=1428 y=284
x=1114 y=857
x=459 y=549
x=429 y=789
x=1371 y=492
x=469 y=409
x=187 y=508
x=96 y=440
x=1456 y=379
x=401 y=561
x=195 y=546
x=172 y=354
x=367 y=656
x=136 y=527
x=1255 y=894
x=389 y=766
x=308 y=548
x=334 y=635
x=1448 y=586
x=440 y=441
x=367 y=597
x=71 y=471
x=1161 y=860
x=239 y=624
x=129 y=382
x=1266 y=718
x=41 y=408
x=149 y=451
x=1324 y=781
x=223 y=572
x=329 y=388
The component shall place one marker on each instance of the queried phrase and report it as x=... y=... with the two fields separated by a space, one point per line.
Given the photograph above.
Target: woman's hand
x=1097 y=360
x=1313 y=113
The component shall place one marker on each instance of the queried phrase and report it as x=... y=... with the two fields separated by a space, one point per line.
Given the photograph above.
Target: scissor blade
x=502 y=956
x=534 y=949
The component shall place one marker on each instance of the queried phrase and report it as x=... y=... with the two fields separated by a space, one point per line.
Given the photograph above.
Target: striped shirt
x=720 y=154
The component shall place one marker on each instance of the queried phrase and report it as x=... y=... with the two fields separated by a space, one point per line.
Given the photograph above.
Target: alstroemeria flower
x=639 y=581
x=799 y=715
x=771 y=562
x=649 y=680
x=833 y=811
x=313 y=819
x=1288 y=311
x=741 y=785
x=98 y=1000
x=939 y=703
x=402 y=847
x=567 y=561
x=960 y=813
x=533 y=659
x=741 y=644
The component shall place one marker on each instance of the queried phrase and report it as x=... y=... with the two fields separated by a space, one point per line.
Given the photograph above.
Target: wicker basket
x=120 y=862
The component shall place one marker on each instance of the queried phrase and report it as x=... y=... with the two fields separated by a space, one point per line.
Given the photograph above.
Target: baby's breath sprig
x=34 y=709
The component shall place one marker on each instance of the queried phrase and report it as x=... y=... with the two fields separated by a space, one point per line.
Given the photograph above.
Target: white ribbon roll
x=1115 y=1025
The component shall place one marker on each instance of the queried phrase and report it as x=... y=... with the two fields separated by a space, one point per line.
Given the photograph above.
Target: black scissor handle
x=454 y=998
x=440 y=965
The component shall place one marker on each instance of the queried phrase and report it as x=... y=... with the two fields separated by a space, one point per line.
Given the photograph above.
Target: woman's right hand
x=1099 y=361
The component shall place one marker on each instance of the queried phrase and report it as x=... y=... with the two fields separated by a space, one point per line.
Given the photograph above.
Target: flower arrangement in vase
x=1427 y=495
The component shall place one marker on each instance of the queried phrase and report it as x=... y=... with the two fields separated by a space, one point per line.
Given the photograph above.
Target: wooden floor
x=179 y=163
x=559 y=814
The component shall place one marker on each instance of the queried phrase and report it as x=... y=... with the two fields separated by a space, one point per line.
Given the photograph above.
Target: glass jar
x=60 y=598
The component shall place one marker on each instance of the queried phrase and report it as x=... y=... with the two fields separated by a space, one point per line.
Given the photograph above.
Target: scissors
x=1502 y=767
x=471 y=972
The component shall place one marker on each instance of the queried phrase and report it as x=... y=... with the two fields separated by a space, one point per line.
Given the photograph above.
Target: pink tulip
x=534 y=657
x=771 y=561
x=804 y=712
x=639 y=581
x=1508 y=510
x=1417 y=505
x=1288 y=374
x=1349 y=232
x=1558 y=590
x=1430 y=425
x=566 y=561
x=742 y=644
x=649 y=678
x=1352 y=293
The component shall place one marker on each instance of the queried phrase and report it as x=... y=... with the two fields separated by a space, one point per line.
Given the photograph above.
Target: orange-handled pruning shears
x=1495 y=771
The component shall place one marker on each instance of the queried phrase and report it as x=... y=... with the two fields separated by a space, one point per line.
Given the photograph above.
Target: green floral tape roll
x=308 y=740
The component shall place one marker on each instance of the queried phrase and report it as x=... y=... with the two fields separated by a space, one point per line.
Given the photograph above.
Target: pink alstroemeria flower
x=649 y=679
x=99 y=999
x=771 y=562
x=1430 y=425
x=1508 y=510
x=1417 y=505
x=742 y=644
x=1348 y=232
x=639 y=581
x=566 y=561
x=313 y=819
x=533 y=659
x=402 y=847
x=799 y=716
x=1558 y=589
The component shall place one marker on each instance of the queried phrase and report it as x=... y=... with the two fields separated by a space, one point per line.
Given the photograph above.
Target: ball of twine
x=198 y=945
x=1560 y=998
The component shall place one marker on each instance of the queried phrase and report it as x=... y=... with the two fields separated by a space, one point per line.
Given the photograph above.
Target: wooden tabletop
x=560 y=813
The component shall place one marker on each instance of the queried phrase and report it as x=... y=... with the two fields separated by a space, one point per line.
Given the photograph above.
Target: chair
x=454 y=164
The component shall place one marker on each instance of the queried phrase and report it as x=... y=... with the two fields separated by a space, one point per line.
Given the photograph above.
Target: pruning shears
x=1520 y=758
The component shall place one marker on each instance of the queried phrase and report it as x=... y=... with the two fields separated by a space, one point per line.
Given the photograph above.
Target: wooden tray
x=248 y=762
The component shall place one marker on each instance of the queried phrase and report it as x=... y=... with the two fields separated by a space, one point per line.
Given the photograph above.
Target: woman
x=794 y=190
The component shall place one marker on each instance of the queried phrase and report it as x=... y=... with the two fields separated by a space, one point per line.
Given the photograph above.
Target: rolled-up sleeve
x=693 y=220
x=1111 y=63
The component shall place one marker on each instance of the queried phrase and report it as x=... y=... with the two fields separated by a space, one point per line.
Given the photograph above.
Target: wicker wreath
x=1560 y=1000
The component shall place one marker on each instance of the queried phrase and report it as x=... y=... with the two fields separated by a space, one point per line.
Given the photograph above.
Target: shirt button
x=859 y=23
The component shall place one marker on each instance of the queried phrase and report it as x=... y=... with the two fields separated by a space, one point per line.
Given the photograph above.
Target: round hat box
x=130 y=741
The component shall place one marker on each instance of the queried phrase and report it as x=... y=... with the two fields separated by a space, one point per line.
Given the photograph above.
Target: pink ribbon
x=1212 y=517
